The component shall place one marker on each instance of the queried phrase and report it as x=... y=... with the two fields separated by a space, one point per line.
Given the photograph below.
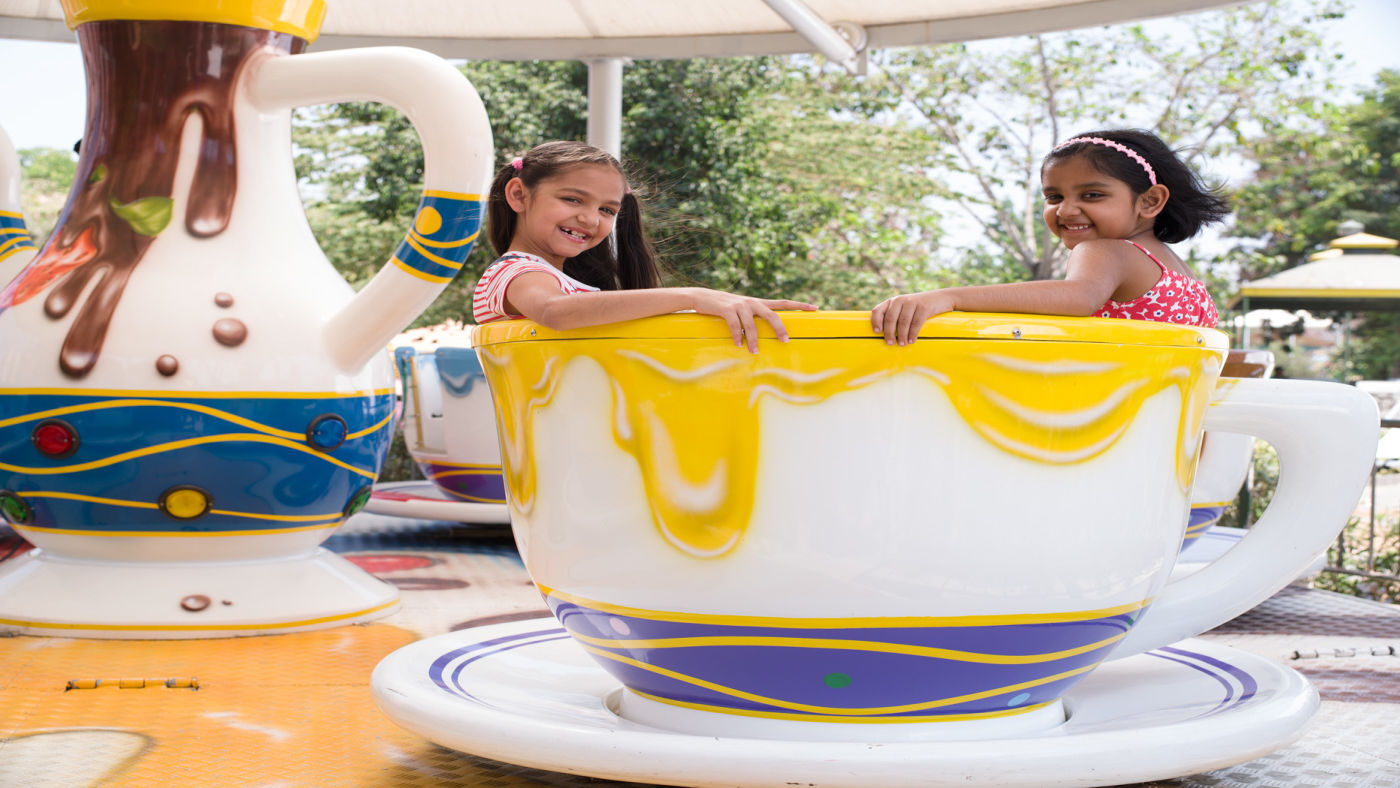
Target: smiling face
x=1083 y=203
x=566 y=215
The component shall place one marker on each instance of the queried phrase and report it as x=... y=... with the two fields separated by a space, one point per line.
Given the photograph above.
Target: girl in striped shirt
x=550 y=213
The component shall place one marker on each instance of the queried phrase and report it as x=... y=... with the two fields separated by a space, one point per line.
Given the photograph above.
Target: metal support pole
x=605 y=104
x=822 y=35
x=1244 y=323
x=1346 y=348
x=1371 y=527
x=1245 y=503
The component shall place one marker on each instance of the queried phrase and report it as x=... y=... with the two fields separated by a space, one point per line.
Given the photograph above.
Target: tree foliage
x=48 y=176
x=1313 y=171
x=750 y=181
x=780 y=177
x=988 y=114
x=1318 y=168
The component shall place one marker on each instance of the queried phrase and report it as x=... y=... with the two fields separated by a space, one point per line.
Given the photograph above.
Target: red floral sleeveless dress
x=1176 y=298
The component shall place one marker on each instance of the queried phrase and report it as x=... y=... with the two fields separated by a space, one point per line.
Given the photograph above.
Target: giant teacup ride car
x=846 y=563
x=449 y=429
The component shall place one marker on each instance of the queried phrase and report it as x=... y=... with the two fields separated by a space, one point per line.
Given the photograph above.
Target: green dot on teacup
x=837 y=680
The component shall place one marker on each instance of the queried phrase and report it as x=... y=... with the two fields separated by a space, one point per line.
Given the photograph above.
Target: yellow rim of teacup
x=855 y=325
x=301 y=18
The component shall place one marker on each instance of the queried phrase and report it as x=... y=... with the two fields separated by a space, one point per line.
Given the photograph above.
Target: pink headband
x=1118 y=146
x=519 y=164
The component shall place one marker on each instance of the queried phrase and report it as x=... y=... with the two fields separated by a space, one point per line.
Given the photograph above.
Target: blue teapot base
x=44 y=594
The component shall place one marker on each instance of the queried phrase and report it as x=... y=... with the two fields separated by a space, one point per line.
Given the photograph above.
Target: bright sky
x=46 y=106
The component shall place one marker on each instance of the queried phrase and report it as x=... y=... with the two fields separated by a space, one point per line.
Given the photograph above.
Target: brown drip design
x=144 y=80
x=167 y=365
x=230 y=331
x=223 y=300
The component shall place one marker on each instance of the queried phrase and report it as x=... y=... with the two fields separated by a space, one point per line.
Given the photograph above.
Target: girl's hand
x=900 y=318
x=739 y=312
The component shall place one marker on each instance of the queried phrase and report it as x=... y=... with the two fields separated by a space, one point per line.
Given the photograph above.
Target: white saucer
x=524 y=693
x=424 y=501
x=1215 y=542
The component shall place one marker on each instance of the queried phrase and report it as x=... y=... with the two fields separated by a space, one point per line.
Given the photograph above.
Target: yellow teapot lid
x=301 y=18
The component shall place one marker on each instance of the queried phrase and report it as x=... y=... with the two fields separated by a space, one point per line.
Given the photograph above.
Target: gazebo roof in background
x=1354 y=274
x=1359 y=240
x=583 y=29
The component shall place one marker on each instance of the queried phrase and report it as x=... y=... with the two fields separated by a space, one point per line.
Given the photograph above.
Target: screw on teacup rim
x=301 y=18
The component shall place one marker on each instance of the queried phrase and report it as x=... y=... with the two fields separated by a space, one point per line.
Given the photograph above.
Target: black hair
x=1191 y=205
x=629 y=266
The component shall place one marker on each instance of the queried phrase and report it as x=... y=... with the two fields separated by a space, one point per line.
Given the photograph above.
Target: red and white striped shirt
x=489 y=298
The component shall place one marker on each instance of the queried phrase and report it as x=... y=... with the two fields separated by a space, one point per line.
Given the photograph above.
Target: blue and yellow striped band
x=444 y=229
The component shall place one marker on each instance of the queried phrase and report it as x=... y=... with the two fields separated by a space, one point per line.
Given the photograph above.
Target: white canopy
x=586 y=29
x=605 y=32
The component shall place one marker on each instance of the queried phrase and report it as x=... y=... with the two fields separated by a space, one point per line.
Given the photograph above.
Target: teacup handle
x=451 y=121
x=1325 y=435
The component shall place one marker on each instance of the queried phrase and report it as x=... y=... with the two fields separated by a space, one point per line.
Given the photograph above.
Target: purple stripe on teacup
x=1201 y=520
x=479 y=483
x=914 y=669
x=1050 y=636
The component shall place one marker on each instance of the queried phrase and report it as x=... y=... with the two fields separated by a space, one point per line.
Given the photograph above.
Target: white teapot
x=191 y=397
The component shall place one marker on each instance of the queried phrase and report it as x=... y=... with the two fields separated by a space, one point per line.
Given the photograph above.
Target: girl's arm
x=536 y=295
x=1095 y=272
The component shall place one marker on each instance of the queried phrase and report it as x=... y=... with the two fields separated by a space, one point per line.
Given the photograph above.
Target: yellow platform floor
x=296 y=709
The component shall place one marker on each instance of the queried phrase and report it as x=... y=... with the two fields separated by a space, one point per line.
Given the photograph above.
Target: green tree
x=854 y=193
x=988 y=114
x=750 y=183
x=1313 y=171
x=48 y=176
x=1326 y=164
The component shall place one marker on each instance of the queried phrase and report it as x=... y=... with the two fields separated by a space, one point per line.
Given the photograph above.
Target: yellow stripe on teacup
x=846 y=622
x=868 y=646
x=247 y=437
x=487 y=470
x=88 y=532
x=196 y=394
x=329 y=518
x=69 y=627
x=190 y=406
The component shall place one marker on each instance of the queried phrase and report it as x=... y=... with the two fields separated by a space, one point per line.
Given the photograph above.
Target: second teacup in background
x=448 y=424
x=1225 y=456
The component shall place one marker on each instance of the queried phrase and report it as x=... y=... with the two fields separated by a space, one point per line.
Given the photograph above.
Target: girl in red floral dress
x=1116 y=199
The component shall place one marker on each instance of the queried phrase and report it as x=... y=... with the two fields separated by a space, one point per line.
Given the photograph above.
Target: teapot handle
x=451 y=121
